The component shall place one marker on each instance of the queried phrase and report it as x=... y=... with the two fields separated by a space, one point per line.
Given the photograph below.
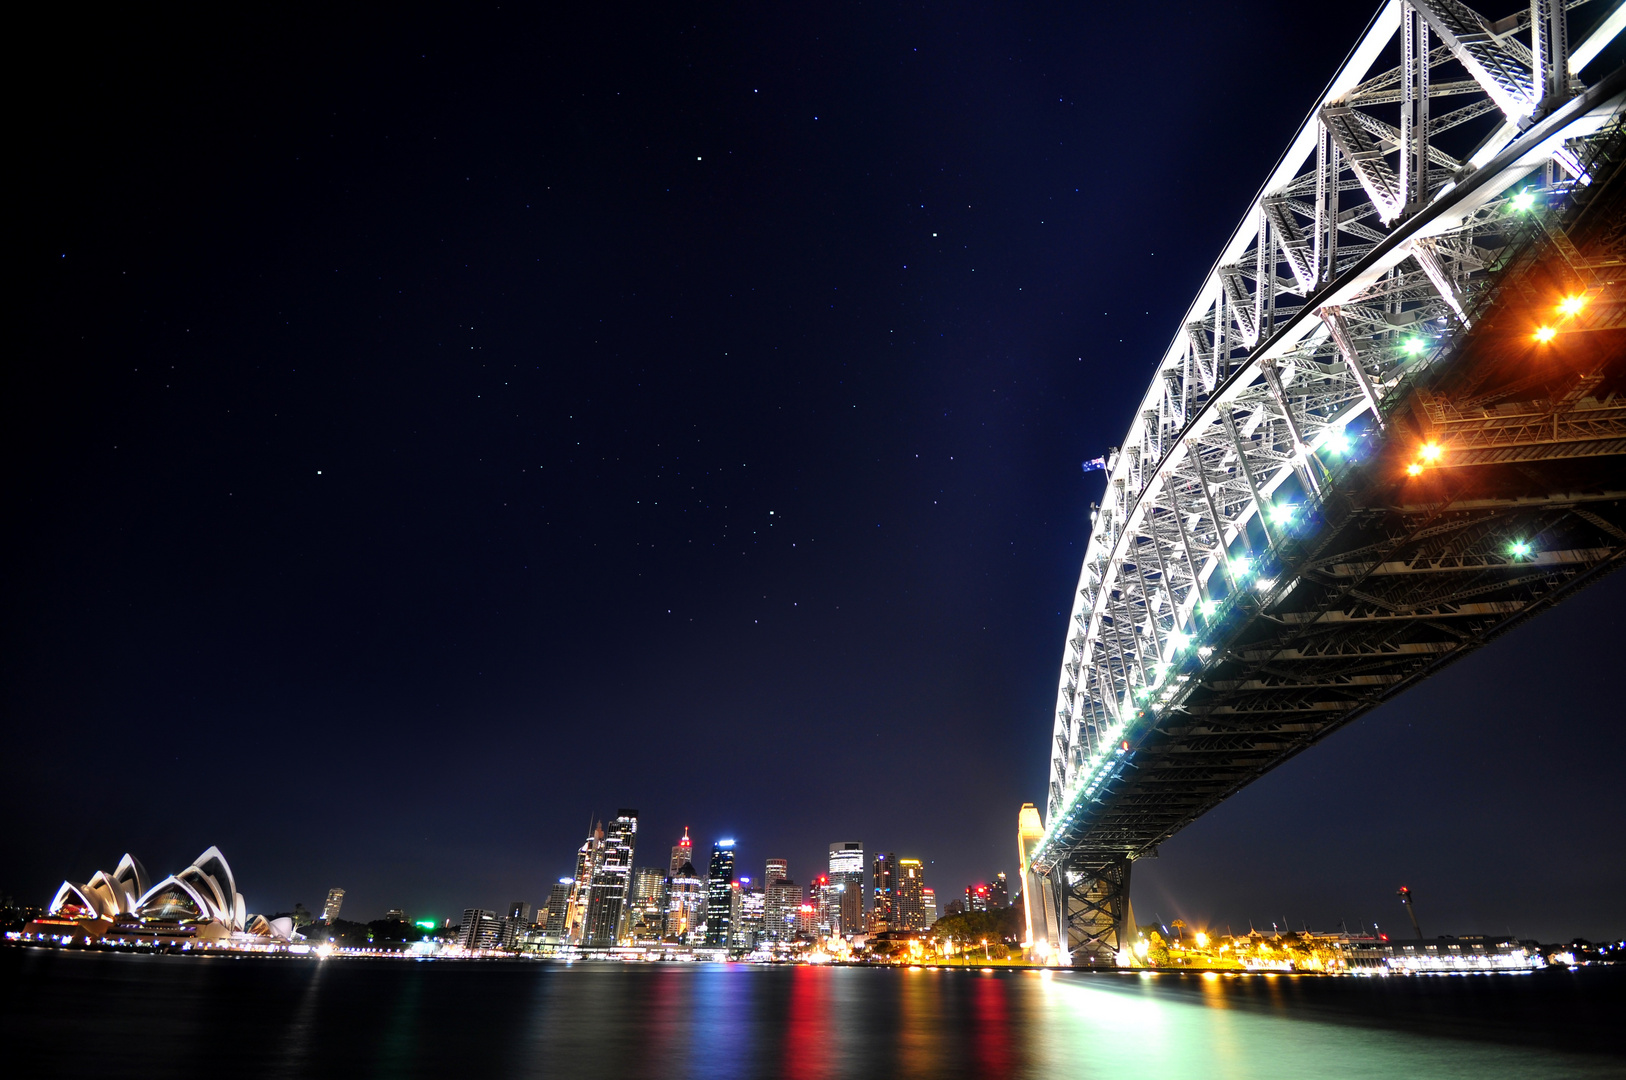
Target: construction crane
x=1411 y=909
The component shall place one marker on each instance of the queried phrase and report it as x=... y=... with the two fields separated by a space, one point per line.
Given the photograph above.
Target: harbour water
x=114 y=1015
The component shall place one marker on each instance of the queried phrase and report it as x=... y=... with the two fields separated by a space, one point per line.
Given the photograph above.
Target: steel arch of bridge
x=1360 y=261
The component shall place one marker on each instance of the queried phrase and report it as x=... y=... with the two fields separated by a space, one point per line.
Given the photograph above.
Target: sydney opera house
x=200 y=905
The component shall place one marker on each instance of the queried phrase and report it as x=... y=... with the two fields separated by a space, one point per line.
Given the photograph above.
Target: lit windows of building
x=909 y=896
x=686 y=906
x=999 y=895
x=807 y=919
x=747 y=915
x=928 y=906
x=682 y=852
x=976 y=897
x=883 y=878
x=827 y=901
x=395 y=914
x=607 y=897
x=553 y=930
x=647 y=919
x=720 y=921
x=781 y=903
x=480 y=930
x=335 y=901
x=587 y=860
x=847 y=872
x=778 y=870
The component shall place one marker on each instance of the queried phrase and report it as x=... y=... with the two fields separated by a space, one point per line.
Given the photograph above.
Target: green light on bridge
x=1520 y=549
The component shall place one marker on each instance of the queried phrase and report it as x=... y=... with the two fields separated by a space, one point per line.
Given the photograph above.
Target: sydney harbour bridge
x=1391 y=426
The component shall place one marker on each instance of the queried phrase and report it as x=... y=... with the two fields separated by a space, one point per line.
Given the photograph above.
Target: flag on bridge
x=1096 y=464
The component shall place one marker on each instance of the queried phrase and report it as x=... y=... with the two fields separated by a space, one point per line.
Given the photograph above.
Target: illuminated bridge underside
x=1276 y=553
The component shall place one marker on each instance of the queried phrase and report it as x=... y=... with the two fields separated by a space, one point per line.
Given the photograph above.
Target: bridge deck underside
x=1403 y=574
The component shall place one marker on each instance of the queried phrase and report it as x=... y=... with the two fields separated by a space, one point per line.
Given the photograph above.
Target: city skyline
x=775 y=339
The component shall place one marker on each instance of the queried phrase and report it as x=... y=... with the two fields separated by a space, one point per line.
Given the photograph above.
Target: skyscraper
x=780 y=903
x=335 y=900
x=686 y=906
x=778 y=869
x=999 y=895
x=928 y=905
x=747 y=915
x=553 y=931
x=976 y=897
x=847 y=871
x=587 y=859
x=607 y=899
x=827 y=896
x=909 y=905
x=883 y=876
x=682 y=852
x=481 y=929
x=520 y=912
x=720 y=895
x=647 y=904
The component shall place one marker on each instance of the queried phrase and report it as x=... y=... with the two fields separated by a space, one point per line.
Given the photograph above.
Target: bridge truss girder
x=1298 y=341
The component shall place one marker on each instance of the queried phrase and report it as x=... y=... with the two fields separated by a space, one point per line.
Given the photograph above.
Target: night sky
x=429 y=430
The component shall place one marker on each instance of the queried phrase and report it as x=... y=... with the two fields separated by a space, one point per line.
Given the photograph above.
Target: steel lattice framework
x=1369 y=257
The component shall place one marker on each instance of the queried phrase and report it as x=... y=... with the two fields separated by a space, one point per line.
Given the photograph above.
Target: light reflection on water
x=99 y=1015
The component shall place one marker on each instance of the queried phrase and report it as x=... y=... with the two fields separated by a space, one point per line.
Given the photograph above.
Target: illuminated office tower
x=335 y=900
x=827 y=896
x=682 y=852
x=883 y=877
x=976 y=897
x=481 y=929
x=587 y=860
x=720 y=895
x=781 y=901
x=520 y=913
x=847 y=871
x=928 y=905
x=646 y=921
x=745 y=914
x=999 y=892
x=553 y=931
x=908 y=903
x=686 y=906
x=607 y=900
x=395 y=914
x=778 y=869
x=807 y=917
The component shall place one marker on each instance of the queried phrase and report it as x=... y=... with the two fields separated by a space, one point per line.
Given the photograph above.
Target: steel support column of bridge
x=1351 y=466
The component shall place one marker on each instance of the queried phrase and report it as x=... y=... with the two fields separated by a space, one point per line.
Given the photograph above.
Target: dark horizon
x=434 y=431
